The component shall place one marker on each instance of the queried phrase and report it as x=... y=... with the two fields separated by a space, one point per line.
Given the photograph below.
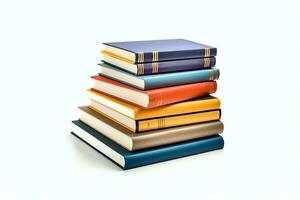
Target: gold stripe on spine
x=154 y=67
x=140 y=57
x=154 y=56
x=161 y=123
x=207 y=52
x=159 y=98
x=140 y=69
x=206 y=62
x=211 y=75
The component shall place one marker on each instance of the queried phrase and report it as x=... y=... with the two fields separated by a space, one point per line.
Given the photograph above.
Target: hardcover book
x=159 y=50
x=155 y=123
x=155 y=97
x=127 y=160
x=137 y=141
x=147 y=82
x=191 y=106
x=158 y=67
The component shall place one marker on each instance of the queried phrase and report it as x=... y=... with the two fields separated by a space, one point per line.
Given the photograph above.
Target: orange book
x=154 y=97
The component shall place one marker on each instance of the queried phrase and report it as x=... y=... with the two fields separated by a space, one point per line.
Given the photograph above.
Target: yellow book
x=134 y=112
x=165 y=122
x=137 y=119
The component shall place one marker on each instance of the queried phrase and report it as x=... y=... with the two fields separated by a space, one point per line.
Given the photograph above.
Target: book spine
x=180 y=78
x=161 y=97
x=178 y=120
x=175 y=66
x=172 y=152
x=154 y=56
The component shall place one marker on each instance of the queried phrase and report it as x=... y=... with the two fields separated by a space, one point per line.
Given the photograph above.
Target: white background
x=48 y=50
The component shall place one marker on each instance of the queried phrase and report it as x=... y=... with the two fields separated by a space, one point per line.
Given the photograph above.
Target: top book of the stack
x=159 y=56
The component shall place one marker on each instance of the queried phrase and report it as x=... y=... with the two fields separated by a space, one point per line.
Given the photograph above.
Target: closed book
x=159 y=50
x=134 y=112
x=147 y=82
x=155 y=123
x=127 y=159
x=158 y=67
x=137 y=141
x=155 y=97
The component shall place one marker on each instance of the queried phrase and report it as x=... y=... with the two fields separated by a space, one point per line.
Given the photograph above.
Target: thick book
x=127 y=159
x=191 y=106
x=137 y=141
x=155 y=97
x=148 y=82
x=158 y=67
x=159 y=50
x=155 y=123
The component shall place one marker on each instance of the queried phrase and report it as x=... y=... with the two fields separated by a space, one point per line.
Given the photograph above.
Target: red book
x=155 y=97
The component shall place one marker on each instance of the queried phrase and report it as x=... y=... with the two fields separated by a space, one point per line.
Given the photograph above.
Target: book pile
x=151 y=102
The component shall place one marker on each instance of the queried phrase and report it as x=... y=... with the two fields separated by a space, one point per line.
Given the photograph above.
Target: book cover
x=147 y=82
x=137 y=113
x=159 y=50
x=127 y=160
x=158 y=67
x=155 y=97
x=155 y=123
x=137 y=141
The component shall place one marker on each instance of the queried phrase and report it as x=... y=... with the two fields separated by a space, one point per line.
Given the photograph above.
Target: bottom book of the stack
x=131 y=159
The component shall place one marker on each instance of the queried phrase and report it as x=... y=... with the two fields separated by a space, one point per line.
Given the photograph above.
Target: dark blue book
x=160 y=67
x=158 y=50
x=127 y=159
x=147 y=82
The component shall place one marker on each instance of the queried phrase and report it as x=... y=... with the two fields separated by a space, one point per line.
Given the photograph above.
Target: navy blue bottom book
x=131 y=159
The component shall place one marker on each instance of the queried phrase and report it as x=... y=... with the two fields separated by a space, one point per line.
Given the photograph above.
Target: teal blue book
x=132 y=159
x=154 y=81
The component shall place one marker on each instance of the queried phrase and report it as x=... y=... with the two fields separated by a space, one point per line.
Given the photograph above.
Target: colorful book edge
x=153 y=155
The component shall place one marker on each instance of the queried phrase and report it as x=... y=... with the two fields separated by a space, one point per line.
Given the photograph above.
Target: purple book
x=161 y=67
x=159 y=50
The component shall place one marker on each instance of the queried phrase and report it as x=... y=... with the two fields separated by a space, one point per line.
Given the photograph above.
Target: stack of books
x=151 y=102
